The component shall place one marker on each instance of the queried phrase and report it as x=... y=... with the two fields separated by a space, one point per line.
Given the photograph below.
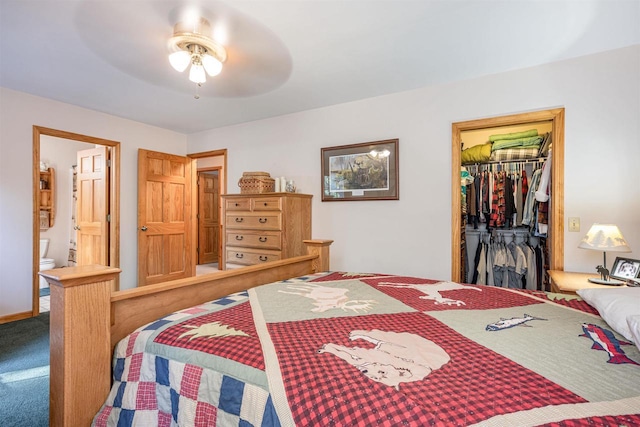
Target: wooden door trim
x=556 y=228
x=215 y=153
x=223 y=188
x=114 y=205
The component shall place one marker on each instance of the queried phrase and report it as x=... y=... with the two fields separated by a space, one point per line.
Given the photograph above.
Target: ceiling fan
x=213 y=39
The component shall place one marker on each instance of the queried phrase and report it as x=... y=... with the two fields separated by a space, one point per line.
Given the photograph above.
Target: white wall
x=601 y=97
x=19 y=112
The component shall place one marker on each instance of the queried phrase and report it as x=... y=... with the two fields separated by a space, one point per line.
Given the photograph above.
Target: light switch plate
x=574 y=224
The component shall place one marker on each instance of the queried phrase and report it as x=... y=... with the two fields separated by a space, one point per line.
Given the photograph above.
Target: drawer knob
x=263 y=258
x=239 y=237
x=262 y=220
x=262 y=239
x=236 y=204
x=265 y=203
x=240 y=219
x=239 y=255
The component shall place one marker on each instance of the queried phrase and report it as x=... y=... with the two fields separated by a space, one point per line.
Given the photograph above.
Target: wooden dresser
x=264 y=227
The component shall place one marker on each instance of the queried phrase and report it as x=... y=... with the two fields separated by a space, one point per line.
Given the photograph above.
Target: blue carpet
x=24 y=372
x=45 y=292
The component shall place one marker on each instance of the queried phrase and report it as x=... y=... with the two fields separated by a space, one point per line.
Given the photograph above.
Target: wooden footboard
x=87 y=321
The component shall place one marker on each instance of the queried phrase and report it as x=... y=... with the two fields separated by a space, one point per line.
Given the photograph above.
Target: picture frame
x=364 y=171
x=625 y=269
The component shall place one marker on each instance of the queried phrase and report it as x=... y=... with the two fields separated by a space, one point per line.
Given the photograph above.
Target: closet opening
x=501 y=160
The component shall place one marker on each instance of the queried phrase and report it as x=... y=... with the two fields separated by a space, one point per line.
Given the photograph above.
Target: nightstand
x=565 y=282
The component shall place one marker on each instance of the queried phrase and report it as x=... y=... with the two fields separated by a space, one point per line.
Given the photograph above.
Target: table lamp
x=605 y=238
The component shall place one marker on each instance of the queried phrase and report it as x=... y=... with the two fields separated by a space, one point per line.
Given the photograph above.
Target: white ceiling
x=287 y=56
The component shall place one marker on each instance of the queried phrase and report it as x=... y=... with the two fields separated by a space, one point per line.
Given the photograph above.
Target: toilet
x=45 y=263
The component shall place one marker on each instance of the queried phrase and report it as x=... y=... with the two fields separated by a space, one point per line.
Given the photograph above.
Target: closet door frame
x=556 y=214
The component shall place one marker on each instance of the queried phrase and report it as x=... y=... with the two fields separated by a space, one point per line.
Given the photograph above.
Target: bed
x=339 y=348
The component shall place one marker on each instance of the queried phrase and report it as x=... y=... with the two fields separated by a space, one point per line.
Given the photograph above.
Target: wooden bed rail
x=87 y=321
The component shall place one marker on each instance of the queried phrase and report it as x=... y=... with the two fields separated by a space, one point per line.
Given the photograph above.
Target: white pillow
x=614 y=306
x=634 y=326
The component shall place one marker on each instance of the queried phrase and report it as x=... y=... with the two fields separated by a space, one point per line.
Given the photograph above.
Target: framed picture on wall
x=366 y=171
x=625 y=268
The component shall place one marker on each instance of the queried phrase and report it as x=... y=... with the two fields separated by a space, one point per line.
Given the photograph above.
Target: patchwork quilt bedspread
x=347 y=349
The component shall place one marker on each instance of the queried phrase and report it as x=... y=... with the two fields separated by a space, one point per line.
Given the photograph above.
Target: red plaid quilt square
x=131 y=343
x=135 y=364
x=432 y=295
x=164 y=419
x=474 y=385
x=146 y=396
x=206 y=414
x=190 y=382
x=235 y=335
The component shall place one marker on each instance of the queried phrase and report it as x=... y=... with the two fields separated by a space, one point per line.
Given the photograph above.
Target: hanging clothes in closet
x=509 y=265
x=502 y=199
x=500 y=195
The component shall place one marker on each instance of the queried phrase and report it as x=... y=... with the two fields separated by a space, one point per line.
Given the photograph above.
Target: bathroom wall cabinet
x=47 y=198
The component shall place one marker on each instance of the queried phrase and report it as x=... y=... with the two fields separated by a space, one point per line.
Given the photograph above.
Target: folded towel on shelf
x=520 y=142
x=521 y=153
x=514 y=135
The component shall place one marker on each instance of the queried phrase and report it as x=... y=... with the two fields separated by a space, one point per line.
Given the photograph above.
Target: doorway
x=211 y=167
x=97 y=219
x=556 y=214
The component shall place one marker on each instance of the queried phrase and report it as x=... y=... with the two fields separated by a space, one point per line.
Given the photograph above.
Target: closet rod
x=499 y=162
x=499 y=231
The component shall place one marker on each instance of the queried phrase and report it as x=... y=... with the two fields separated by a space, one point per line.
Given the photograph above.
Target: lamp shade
x=196 y=74
x=211 y=65
x=605 y=237
x=180 y=60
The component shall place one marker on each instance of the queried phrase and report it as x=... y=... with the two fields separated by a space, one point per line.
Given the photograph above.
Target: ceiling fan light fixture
x=191 y=44
x=196 y=74
x=180 y=60
x=212 y=66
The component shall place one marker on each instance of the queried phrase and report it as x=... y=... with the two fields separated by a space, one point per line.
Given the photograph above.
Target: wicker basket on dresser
x=264 y=227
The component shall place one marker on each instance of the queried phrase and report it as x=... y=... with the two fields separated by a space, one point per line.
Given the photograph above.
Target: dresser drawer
x=254 y=221
x=255 y=239
x=251 y=256
x=266 y=204
x=237 y=204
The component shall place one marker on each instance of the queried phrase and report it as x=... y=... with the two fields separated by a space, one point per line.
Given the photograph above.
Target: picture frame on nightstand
x=625 y=269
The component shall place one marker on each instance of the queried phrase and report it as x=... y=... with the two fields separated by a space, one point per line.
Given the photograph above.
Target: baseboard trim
x=17 y=316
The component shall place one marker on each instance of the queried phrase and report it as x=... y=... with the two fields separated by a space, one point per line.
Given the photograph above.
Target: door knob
x=143 y=228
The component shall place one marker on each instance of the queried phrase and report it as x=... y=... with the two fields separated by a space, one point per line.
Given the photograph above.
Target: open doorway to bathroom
x=76 y=200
